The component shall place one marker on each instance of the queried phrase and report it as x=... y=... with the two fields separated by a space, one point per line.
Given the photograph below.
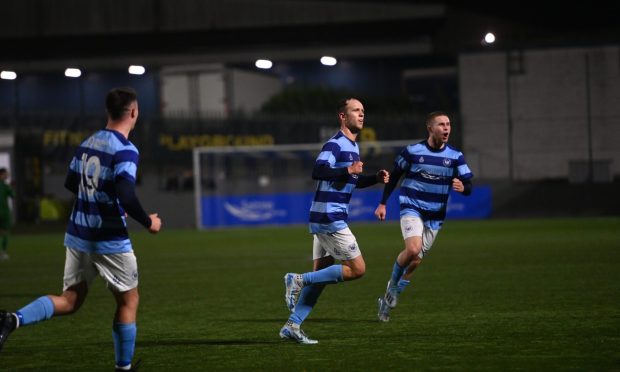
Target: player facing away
x=102 y=174
x=338 y=170
x=6 y=192
x=431 y=168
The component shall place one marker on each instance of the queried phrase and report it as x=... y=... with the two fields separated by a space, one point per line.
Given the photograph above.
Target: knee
x=129 y=300
x=67 y=305
x=413 y=251
x=359 y=270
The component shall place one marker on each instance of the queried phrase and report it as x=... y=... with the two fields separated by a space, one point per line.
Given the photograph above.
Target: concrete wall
x=552 y=107
x=214 y=90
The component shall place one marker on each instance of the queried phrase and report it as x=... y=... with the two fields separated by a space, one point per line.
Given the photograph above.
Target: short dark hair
x=3 y=170
x=342 y=104
x=118 y=100
x=433 y=115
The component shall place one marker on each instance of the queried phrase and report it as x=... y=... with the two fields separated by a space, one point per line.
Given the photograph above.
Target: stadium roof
x=39 y=35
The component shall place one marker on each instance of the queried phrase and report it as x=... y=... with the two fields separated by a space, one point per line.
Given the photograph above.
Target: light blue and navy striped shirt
x=330 y=206
x=97 y=223
x=428 y=178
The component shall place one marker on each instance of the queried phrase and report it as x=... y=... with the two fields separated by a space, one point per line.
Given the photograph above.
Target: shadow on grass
x=311 y=320
x=218 y=342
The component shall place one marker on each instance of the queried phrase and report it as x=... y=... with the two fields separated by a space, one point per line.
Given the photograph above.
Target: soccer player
x=431 y=168
x=6 y=192
x=338 y=169
x=102 y=174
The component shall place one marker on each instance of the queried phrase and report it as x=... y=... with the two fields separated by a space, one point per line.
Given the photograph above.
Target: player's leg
x=412 y=229
x=124 y=328
x=428 y=238
x=78 y=273
x=401 y=275
x=120 y=272
x=340 y=245
x=310 y=294
x=402 y=270
x=307 y=300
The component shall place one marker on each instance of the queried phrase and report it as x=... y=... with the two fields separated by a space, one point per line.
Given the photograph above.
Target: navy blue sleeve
x=126 y=193
x=468 y=187
x=327 y=173
x=72 y=182
x=365 y=181
x=390 y=186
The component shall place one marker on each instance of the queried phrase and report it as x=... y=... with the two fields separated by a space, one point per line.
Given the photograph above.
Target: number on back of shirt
x=91 y=169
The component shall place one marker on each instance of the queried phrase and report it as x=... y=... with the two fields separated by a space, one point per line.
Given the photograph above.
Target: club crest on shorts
x=353 y=247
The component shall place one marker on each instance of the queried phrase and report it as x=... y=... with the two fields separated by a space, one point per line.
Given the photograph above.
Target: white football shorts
x=341 y=245
x=119 y=270
x=414 y=226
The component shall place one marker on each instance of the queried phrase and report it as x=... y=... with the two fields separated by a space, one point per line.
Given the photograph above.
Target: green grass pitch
x=540 y=294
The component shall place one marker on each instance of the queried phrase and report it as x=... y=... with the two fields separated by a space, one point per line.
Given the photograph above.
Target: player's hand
x=383 y=176
x=155 y=223
x=380 y=212
x=355 y=168
x=457 y=185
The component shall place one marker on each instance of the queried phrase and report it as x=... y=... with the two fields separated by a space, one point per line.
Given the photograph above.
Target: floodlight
x=264 y=64
x=73 y=72
x=136 y=70
x=328 y=61
x=489 y=38
x=8 y=75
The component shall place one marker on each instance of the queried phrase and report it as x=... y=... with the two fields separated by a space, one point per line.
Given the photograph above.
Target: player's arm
x=462 y=186
x=72 y=182
x=389 y=187
x=126 y=194
x=382 y=176
x=323 y=172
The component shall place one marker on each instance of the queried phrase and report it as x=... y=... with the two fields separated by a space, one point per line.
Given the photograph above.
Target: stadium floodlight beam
x=136 y=70
x=489 y=38
x=328 y=61
x=73 y=72
x=264 y=64
x=8 y=75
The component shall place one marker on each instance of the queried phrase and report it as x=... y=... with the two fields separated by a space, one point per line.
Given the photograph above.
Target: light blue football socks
x=328 y=275
x=124 y=335
x=314 y=283
x=40 y=309
x=397 y=272
x=402 y=284
x=307 y=299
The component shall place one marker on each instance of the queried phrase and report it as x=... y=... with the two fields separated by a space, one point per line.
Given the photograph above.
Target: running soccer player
x=338 y=169
x=102 y=174
x=431 y=168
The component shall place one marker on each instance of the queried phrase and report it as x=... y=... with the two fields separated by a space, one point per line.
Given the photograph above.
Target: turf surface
x=492 y=295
